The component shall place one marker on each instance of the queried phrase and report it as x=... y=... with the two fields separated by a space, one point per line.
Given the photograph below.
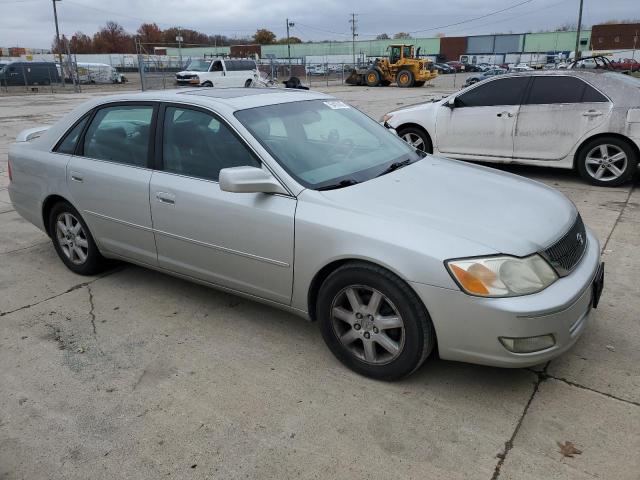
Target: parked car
x=520 y=67
x=97 y=73
x=444 y=68
x=469 y=67
x=29 y=73
x=458 y=66
x=219 y=72
x=587 y=120
x=627 y=64
x=483 y=76
x=302 y=202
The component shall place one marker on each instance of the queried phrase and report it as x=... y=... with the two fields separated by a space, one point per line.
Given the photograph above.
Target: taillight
x=9 y=169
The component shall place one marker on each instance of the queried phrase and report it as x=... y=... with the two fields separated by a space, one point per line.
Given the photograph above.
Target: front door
x=483 y=120
x=243 y=241
x=109 y=179
x=558 y=112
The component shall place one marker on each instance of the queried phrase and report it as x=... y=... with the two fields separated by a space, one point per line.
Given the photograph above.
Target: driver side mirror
x=451 y=103
x=249 y=180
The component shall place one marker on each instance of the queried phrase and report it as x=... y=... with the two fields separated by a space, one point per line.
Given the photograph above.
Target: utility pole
x=179 y=40
x=58 y=44
x=353 y=23
x=577 y=55
x=289 y=24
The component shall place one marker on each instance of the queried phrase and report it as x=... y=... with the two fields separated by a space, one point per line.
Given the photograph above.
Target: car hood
x=504 y=212
x=189 y=72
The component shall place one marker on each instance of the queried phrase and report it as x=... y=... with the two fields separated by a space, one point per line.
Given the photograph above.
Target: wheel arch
x=418 y=126
x=47 y=206
x=322 y=274
x=619 y=136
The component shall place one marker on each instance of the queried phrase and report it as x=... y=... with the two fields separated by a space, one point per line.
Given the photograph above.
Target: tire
x=405 y=78
x=417 y=138
x=93 y=262
x=607 y=161
x=372 y=78
x=248 y=83
x=207 y=84
x=406 y=347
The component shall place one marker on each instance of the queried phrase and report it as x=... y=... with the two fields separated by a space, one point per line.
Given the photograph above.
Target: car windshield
x=326 y=143
x=198 y=66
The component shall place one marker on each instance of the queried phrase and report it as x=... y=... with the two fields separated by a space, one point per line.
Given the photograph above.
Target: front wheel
x=248 y=83
x=417 y=138
x=73 y=241
x=207 y=84
x=607 y=161
x=372 y=78
x=406 y=78
x=373 y=322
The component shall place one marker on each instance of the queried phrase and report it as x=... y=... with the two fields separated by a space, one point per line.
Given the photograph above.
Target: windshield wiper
x=395 y=166
x=341 y=184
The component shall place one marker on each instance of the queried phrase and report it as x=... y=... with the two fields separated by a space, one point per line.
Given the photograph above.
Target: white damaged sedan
x=298 y=200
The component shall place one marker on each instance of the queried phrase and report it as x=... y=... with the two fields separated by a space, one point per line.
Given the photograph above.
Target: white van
x=97 y=73
x=219 y=72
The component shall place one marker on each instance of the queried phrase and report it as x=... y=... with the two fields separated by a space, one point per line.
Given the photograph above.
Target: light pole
x=289 y=24
x=179 y=39
x=577 y=55
x=58 y=44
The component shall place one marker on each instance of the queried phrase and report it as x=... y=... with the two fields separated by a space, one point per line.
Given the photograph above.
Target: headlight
x=386 y=117
x=502 y=276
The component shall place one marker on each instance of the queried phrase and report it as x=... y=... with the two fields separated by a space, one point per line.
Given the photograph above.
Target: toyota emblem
x=580 y=239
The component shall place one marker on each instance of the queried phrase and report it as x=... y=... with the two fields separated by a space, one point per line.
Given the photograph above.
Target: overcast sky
x=29 y=23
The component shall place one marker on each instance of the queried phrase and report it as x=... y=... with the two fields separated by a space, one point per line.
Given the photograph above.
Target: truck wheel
x=405 y=78
x=372 y=78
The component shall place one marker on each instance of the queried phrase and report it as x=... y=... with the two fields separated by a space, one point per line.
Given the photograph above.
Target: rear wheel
x=373 y=322
x=405 y=78
x=372 y=78
x=73 y=241
x=417 y=138
x=207 y=84
x=248 y=83
x=607 y=161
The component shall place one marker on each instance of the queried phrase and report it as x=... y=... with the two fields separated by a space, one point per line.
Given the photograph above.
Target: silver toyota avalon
x=299 y=200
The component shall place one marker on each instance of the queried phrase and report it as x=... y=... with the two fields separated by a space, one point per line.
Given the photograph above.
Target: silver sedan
x=298 y=200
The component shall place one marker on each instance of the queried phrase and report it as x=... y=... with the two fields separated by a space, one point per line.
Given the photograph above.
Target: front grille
x=565 y=254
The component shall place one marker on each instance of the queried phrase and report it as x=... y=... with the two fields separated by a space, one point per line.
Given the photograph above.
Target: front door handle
x=592 y=113
x=505 y=114
x=167 y=198
x=76 y=177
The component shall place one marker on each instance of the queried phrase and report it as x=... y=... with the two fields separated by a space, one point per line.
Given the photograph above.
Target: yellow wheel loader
x=403 y=67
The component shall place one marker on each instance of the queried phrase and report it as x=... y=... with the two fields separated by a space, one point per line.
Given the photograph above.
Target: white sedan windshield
x=323 y=142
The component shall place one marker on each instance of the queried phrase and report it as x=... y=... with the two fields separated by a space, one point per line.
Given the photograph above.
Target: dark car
x=459 y=66
x=29 y=73
x=444 y=68
x=469 y=67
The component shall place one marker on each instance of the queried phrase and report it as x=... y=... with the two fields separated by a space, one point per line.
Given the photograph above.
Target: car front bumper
x=468 y=328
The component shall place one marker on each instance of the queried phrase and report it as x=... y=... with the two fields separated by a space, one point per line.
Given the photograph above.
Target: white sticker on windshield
x=336 y=104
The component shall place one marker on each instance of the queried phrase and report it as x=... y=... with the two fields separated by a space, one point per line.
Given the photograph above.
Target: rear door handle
x=167 y=198
x=76 y=177
x=592 y=113
x=505 y=114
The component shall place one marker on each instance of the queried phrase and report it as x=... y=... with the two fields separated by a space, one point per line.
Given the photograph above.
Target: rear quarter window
x=68 y=143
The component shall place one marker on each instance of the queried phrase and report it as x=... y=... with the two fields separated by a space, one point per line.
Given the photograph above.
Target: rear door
x=483 y=120
x=558 y=111
x=242 y=241
x=109 y=175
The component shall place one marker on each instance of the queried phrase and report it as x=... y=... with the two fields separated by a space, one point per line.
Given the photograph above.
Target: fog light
x=528 y=344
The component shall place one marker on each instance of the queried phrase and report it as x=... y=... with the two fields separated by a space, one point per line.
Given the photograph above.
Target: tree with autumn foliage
x=150 y=33
x=264 y=36
x=112 y=38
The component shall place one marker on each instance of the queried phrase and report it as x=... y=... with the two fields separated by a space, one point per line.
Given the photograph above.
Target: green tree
x=264 y=36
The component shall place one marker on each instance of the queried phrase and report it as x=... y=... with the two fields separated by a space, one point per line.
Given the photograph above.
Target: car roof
x=233 y=98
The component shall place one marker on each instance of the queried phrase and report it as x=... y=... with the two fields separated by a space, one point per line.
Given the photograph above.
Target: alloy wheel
x=72 y=238
x=414 y=140
x=368 y=324
x=606 y=162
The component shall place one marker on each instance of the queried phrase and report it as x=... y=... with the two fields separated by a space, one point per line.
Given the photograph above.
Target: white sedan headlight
x=502 y=276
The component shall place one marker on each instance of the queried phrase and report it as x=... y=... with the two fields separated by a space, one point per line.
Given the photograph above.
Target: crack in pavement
x=615 y=224
x=92 y=314
x=69 y=290
x=25 y=248
x=508 y=445
x=574 y=384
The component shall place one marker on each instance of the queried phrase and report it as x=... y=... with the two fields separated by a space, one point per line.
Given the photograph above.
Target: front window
x=326 y=143
x=198 y=66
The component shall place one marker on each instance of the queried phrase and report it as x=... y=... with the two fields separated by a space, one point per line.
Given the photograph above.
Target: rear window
x=560 y=89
